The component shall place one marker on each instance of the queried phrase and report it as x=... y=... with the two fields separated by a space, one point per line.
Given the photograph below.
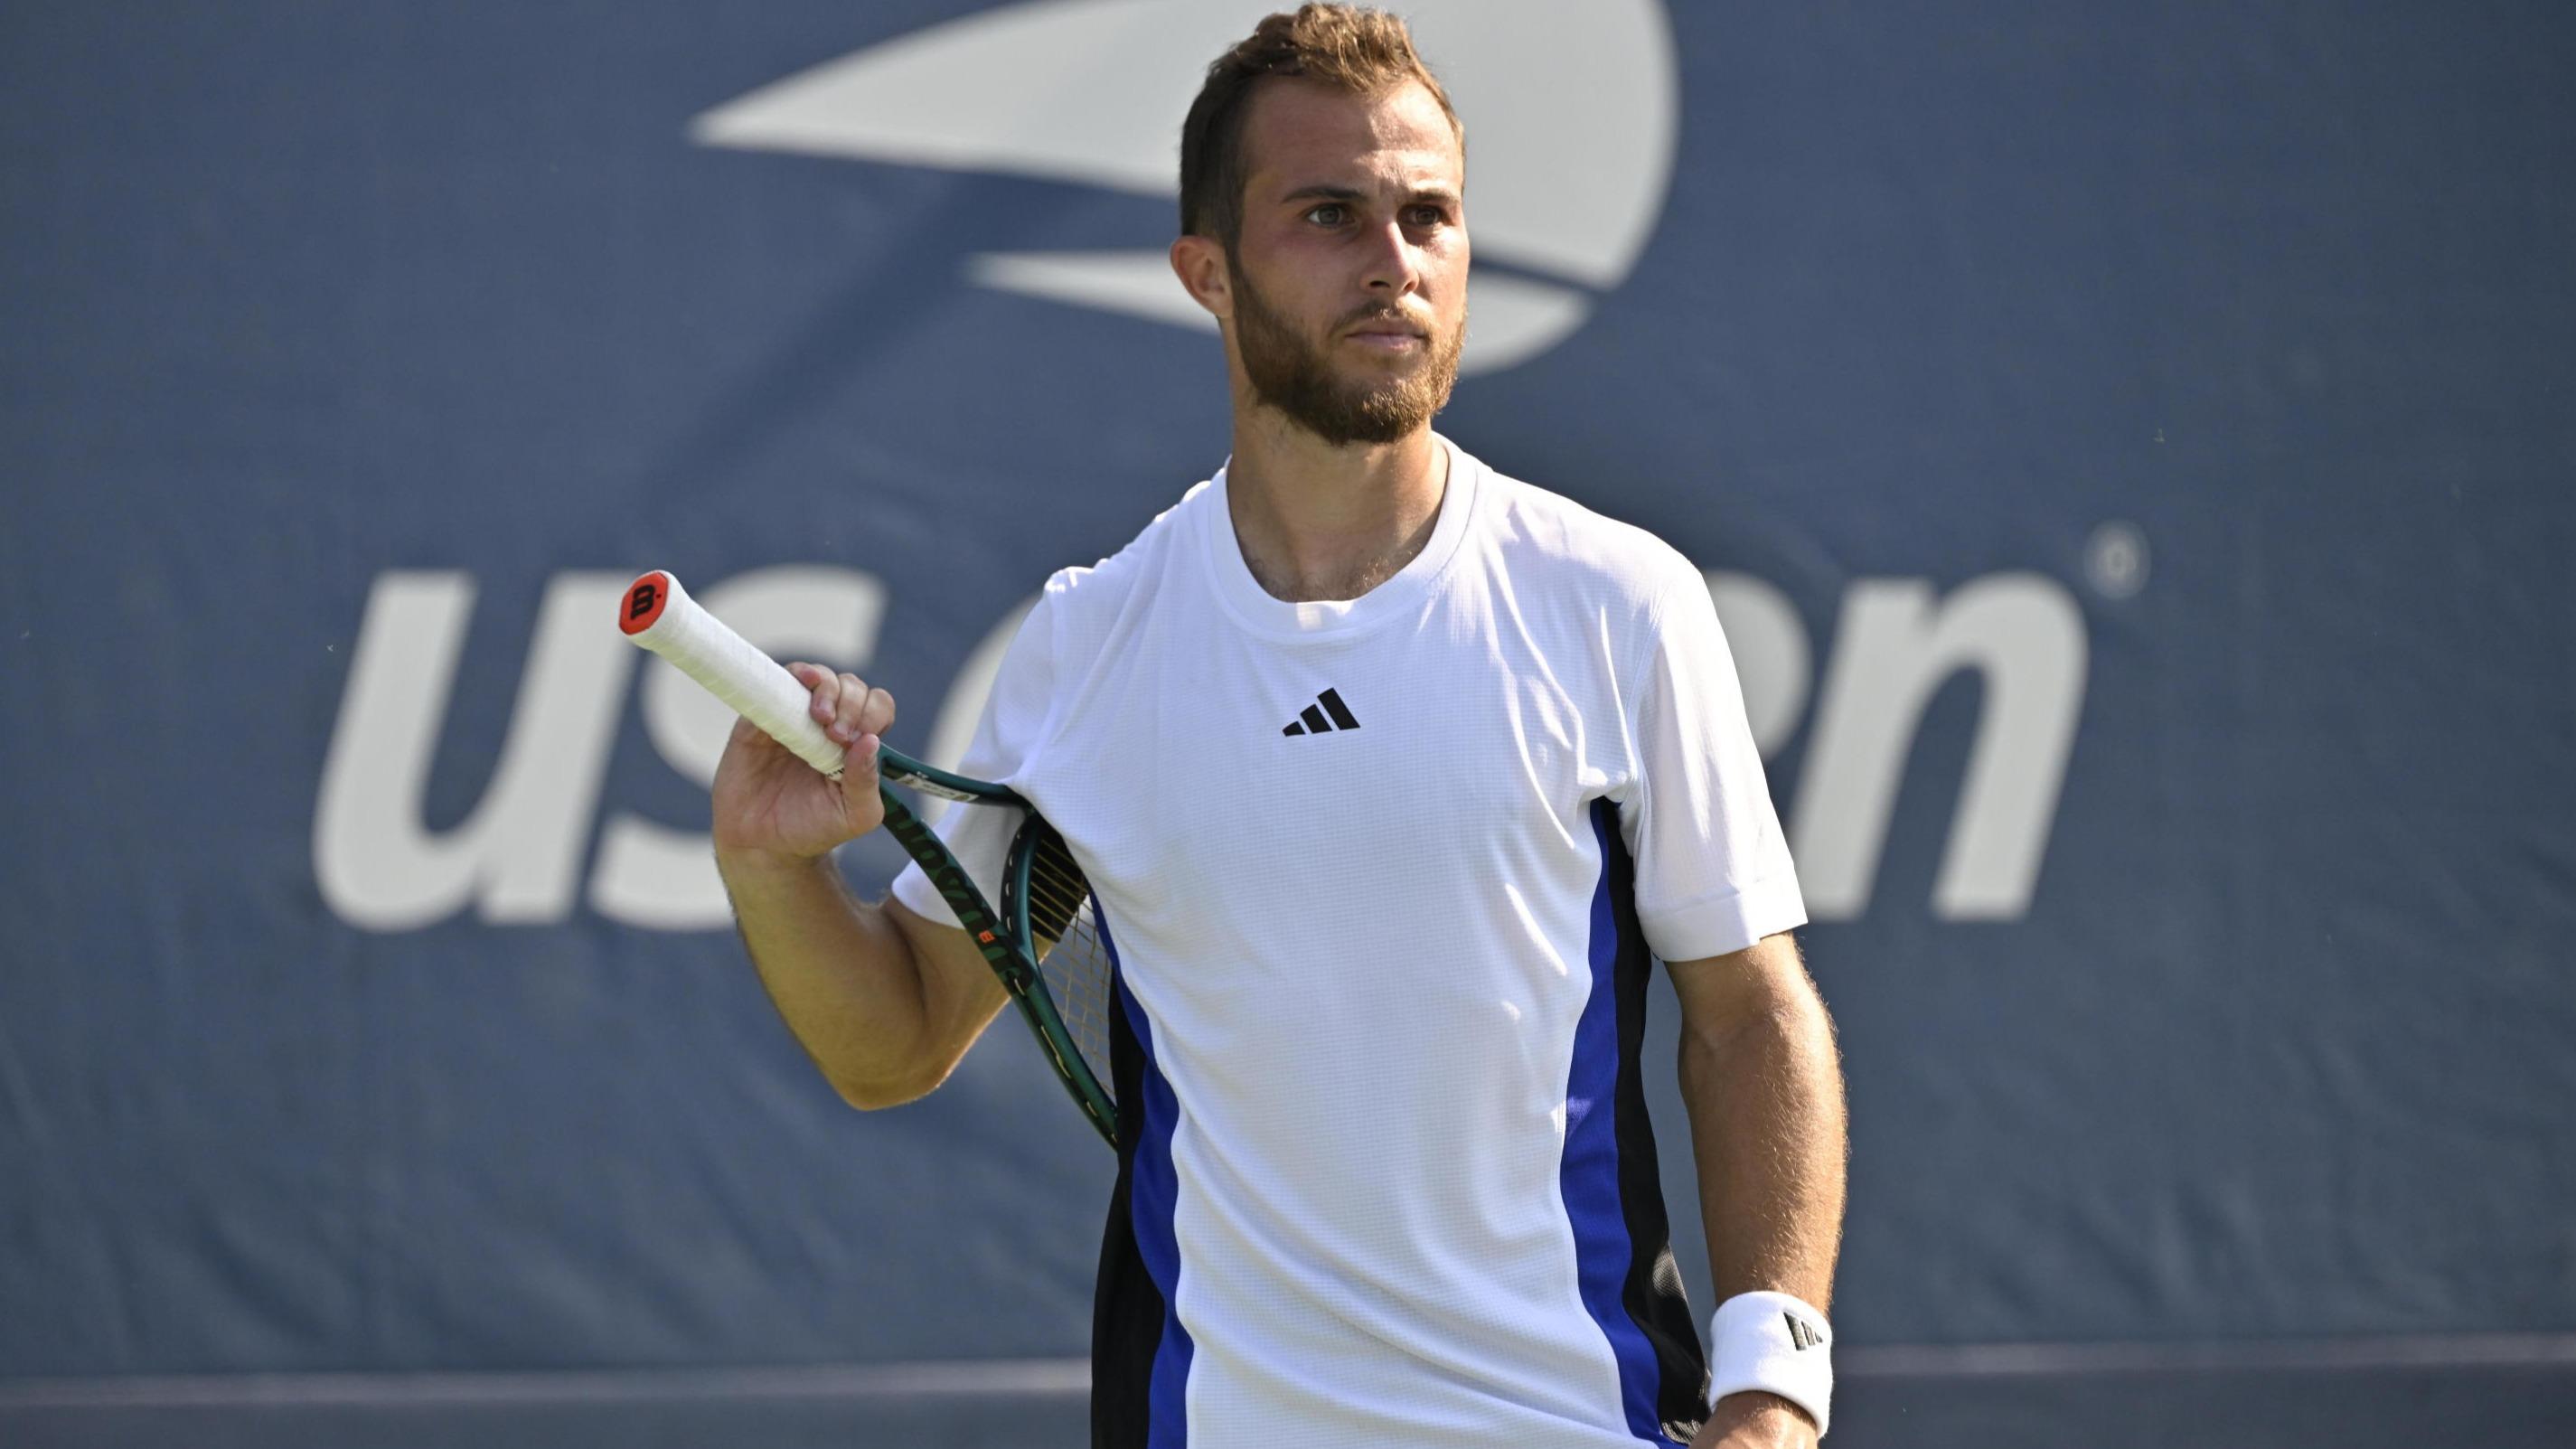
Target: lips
x=1387 y=334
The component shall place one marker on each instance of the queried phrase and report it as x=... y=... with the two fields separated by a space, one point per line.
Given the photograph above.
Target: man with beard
x=1391 y=776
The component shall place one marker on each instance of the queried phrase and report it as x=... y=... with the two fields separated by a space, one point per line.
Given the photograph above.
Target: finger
x=825 y=701
x=860 y=803
x=851 y=693
x=876 y=712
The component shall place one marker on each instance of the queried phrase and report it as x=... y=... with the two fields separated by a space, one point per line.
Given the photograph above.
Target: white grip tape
x=754 y=685
x=1774 y=1343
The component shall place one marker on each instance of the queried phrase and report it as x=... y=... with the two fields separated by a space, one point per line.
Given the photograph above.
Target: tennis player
x=1392 y=775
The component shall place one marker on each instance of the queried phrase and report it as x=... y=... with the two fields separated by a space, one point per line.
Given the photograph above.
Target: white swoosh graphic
x=1570 y=123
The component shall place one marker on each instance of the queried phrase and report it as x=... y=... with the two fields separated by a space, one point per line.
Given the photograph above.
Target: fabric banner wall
x=2132 y=449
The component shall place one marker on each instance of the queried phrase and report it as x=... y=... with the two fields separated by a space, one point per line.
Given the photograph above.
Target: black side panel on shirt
x=1653 y=1293
x=1126 y=1307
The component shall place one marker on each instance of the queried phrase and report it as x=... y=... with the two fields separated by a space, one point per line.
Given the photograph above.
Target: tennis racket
x=1043 y=941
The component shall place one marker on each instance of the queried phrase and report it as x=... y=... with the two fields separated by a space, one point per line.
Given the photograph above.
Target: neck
x=1318 y=522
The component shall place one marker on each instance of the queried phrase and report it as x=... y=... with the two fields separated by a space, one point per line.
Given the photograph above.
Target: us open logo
x=1566 y=182
x=1565 y=179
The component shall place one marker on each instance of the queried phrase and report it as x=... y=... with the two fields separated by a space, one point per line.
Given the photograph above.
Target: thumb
x=859 y=782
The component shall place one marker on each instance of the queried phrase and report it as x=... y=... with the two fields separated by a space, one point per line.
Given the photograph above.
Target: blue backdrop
x=2132 y=447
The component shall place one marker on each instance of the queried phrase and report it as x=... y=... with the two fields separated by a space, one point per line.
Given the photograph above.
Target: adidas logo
x=1311 y=721
x=1801 y=1332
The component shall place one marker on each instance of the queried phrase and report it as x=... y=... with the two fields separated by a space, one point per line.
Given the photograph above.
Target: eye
x=1331 y=213
x=1429 y=216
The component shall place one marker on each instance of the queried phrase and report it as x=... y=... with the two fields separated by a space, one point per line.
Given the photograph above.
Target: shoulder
x=1085 y=603
x=1545 y=540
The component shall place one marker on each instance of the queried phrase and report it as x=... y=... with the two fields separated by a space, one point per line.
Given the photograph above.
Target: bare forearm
x=1766 y=1109
x=841 y=972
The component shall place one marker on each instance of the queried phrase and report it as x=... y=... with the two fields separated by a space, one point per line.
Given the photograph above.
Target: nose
x=1394 y=265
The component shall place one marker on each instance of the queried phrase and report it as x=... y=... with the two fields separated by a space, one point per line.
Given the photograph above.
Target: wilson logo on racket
x=1312 y=721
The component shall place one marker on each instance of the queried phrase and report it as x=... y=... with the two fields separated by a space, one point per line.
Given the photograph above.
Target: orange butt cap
x=644 y=600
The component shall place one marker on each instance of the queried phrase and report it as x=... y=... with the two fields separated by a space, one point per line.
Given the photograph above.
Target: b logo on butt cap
x=644 y=601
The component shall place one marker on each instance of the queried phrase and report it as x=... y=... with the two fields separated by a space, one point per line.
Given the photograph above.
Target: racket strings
x=1071 y=956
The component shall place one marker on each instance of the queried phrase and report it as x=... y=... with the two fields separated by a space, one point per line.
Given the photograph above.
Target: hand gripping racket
x=1043 y=942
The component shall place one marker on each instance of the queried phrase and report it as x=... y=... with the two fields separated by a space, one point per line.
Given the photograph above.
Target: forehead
x=1297 y=132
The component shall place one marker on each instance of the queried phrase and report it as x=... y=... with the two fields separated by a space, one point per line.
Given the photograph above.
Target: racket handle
x=659 y=615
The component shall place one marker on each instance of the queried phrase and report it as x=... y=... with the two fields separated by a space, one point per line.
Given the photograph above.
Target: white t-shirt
x=1382 y=878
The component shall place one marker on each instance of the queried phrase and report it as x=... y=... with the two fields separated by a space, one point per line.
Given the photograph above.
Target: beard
x=1292 y=374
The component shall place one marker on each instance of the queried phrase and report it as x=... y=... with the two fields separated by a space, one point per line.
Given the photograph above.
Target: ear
x=1199 y=262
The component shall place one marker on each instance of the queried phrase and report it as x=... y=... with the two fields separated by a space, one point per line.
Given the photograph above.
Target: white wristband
x=1774 y=1343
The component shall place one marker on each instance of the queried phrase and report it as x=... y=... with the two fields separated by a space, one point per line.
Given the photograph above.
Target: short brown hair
x=1349 y=47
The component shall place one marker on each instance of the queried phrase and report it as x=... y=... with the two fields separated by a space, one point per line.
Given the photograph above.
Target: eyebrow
x=1320 y=192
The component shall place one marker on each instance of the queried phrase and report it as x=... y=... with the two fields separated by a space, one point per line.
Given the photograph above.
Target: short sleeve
x=1713 y=869
x=1013 y=721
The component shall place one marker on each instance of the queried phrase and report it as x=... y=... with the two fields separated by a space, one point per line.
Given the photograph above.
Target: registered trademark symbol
x=2115 y=559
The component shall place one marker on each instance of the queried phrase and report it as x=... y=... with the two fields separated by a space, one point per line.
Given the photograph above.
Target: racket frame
x=1001 y=936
